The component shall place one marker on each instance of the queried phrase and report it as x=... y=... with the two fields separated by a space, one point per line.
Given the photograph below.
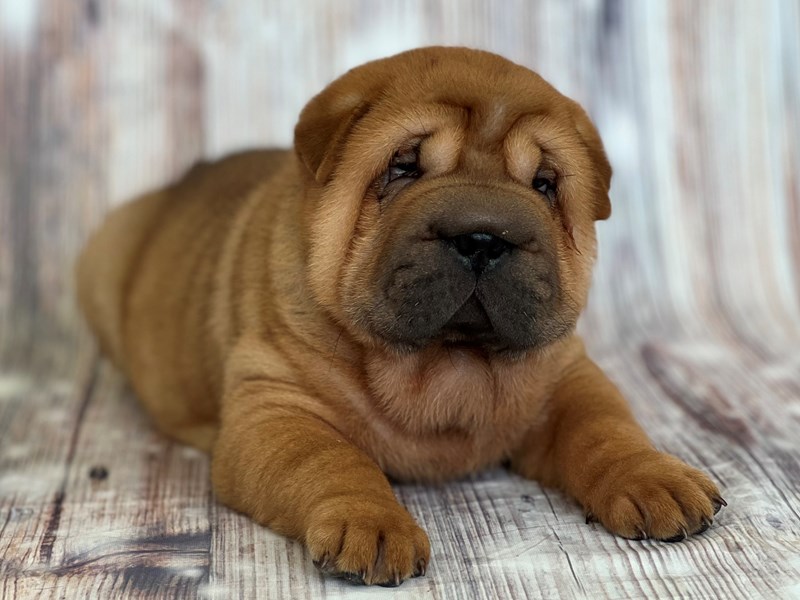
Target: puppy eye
x=405 y=163
x=545 y=184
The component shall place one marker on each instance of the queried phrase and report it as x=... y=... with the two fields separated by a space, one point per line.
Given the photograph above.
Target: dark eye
x=402 y=170
x=545 y=184
x=405 y=163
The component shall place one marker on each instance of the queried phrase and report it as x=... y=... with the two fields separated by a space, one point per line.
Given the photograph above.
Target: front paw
x=367 y=541
x=654 y=495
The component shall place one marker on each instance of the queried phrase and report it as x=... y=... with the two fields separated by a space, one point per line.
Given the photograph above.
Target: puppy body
x=317 y=320
x=200 y=287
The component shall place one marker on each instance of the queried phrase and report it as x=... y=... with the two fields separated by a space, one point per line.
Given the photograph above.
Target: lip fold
x=470 y=322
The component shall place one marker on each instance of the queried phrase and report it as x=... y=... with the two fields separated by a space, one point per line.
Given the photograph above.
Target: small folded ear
x=597 y=153
x=320 y=132
x=329 y=117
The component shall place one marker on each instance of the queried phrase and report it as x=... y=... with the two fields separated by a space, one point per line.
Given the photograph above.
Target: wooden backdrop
x=695 y=310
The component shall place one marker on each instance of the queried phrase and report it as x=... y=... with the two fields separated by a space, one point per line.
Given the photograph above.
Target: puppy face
x=452 y=199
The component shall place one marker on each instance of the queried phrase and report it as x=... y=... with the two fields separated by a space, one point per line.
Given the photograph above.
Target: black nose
x=480 y=249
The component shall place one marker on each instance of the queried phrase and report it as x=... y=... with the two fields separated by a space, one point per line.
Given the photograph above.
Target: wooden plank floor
x=95 y=503
x=695 y=310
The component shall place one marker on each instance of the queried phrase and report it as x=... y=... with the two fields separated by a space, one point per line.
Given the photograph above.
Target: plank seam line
x=49 y=537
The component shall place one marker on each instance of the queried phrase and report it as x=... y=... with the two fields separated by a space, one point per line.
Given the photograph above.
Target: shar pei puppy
x=396 y=297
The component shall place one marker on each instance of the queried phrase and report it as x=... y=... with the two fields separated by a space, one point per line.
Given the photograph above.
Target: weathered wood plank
x=115 y=504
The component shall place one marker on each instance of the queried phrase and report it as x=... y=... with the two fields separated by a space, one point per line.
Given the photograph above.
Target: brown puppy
x=397 y=296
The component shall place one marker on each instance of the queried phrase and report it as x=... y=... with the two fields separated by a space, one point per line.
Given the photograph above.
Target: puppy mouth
x=471 y=327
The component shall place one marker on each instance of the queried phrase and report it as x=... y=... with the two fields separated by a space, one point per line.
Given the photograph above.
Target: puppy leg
x=290 y=470
x=591 y=447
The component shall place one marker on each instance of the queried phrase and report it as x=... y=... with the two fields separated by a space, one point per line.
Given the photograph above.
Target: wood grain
x=695 y=310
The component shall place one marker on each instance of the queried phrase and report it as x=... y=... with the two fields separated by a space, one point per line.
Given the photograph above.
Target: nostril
x=497 y=247
x=486 y=244
x=479 y=250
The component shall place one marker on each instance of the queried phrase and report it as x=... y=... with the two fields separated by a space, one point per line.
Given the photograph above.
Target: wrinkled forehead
x=492 y=96
x=487 y=105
